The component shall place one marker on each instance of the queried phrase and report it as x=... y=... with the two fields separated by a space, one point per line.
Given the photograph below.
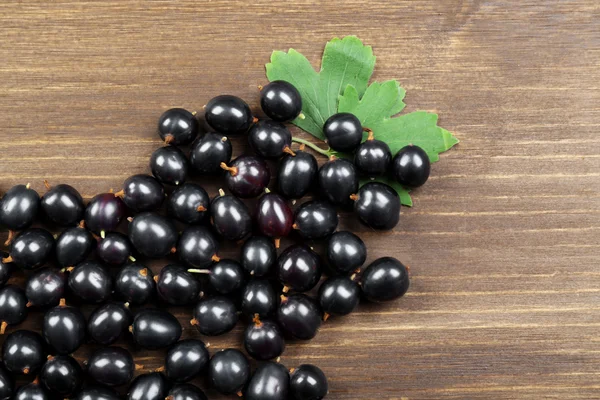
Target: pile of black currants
x=170 y=217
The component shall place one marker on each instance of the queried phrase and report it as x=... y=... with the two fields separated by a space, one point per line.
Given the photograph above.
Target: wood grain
x=503 y=241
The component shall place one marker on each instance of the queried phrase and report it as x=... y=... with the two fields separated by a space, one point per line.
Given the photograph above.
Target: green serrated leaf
x=401 y=190
x=345 y=62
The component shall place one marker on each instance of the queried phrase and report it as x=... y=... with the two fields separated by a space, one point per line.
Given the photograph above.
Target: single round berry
x=169 y=165
x=230 y=217
x=31 y=248
x=104 y=213
x=297 y=174
x=337 y=181
x=45 y=288
x=7 y=386
x=373 y=157
x=176 y=286
x=6 y=269
x=263 y=340
x=23 y=352
x=152 y=386
x=209 y=152
x=178 y=127
x=270 y=139
x=384 y=279
x=299 y=268
x=247 y=176
x=186 y=360
x=228 y=115
x=114 y=249
x=13 y=306
x=339 y=295
x=142 y=193
x=299 y=316
x=316 y=219
x=61 y=375
x=74 y=245
x=281 y=101
x=270 y=381
x=108 y=322
x=343 y=132
x=308 y=382
x=64 y=328
x=19 y=207
x=198 y=247
x=97 y=393
x=215 y=316
x=411 y=166
x=32 y=391
x=259 y=297
x=155 y=328
x=258 y=255
x=152 y=235
x=228 y=371
x=63 y=205
x=226 y=276
x=90 y=282
x=186 y=391
x=346 y=252
x=274 y=217
x=111 y=366
x=134 y=284
x=377 y=205
x=189 y=204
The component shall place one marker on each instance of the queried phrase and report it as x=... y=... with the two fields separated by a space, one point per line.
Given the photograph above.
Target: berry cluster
x=264 y=288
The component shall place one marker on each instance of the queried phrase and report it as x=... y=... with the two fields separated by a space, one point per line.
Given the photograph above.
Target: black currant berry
x=299 y=316
x=97 y=393
x=198 y=247
x=226 y=276
x=64 y=328
x=90 y=282
x=61 y=375
x=259 y=297
x=178 y=127
x=115 y=249
x=74 y=245
x=104 y=213
x=274 y=217
x=155 y=328
x=134 y=284
x=299 y=268
x=6 y=270
x=270 y=139
x=153 y=235
x=263 y=340
x=142 y=193
x=23 y=352
x=189 y=204
x=62 y=204
x=343 y=132
x=7 y=386
x=32 y=391
x=384 y=279
x=271 y=381
x=247 y=176
x=45 y=288
x=228 y=115
x=230 y=217
x=411 y=166
x=338 y=295
x=152 y=386
x=176 y=286
x=228 y=371
x=186 y=360
x=31 y=248
x=258 y=255
x=297 y=174
x=214 y=316
x=111 y=366
x=316 y=219
x=19 y=207
x=208 y=152
x=338 y=180
x=281 y=101
x=13 y=307
x=346 y=252
x=308 y=382
x=373 y=157
x=186 y=391
x=108 y=322
x=377 y=205
x=169 y=165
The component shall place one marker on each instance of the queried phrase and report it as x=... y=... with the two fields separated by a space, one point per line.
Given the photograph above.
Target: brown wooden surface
x=503 y=240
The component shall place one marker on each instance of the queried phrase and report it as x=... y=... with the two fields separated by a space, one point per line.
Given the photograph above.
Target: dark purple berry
x=176 y=286
x=373 y=157
x=152 y=386
x=186 y=391
x=258 y=255
x=337 y=181
x=31 y=248
x=384 y=279
x=108 y=322
x=115 y=249
x=209 y=152
x=61 y=375
x=377 y=205
x=23 y=352
x=32 y=391
x=64 y=328
x=247 y=176
x=263 y=340
x=343 y=132
x=274 y=217
x=189 y=204
x=90 y=282
x=155 y=328
x=271 y=381
x=299 y=268
x=178 y=127
x=74 y=245
x=270 y=139
x=198 y=247
x=346 y=252
x=297 y=174
x=97 y=393
x=6 y=269
x=153 y=235
x=230 y=217
x=299 y=316
x=228 y=371
x=104 y=213
x=111 y=366
x=339 y=295
x=215 y=316
x=226 y=276
x=228 y=115
x=13 y=307
x=63 y=205
x=45 y=288
x=316 y=219
x=259 y=297
x=186 y=360
x=134 y=284
x=7 y=386
x=142 y=193
x=281 y=101
x=308 y=382
x=169 y=165
x=411 y=166
x=19 y=207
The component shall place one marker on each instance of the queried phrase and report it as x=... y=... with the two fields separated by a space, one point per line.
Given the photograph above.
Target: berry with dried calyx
x=297 y=174
x=338 y=295
x=299 y=316
x=308 y=382
x=384 y=279
x=270 y=381
x=189 y=204
x=411 y=166
x=90 y=282
x=259 y=298
x=31 y=249
x=108 y=322
x=316 y=219
x=343 y=132
x=135 y=284
x=274 y=217
x=153 y=235
x=61 y=375
x=74 y=245
x=263 y=340
x=258 y=255
x=228 y=371
x=115 y=249
x=176 y=286
x=208 y=152
x=346 y=252
x=299 y=268
x=19 y=207
x=198 y=247
x=155 y=328
x=228 y=115
x=338 y=179
x=186 y=360
x=270 y=139
x=64 y=328
x=230 y=217
x=281 y=101
x=142 y=193
x=377 y=205
x=152 y=386
x=214 y=316
x=13 y=307
x=169 y=165
x=247 y=176
x=62 y=204
x=45 y=288
x=104 y=213
x=23 y=352
x=373 y=157
x=178 y=127
x=111 y=366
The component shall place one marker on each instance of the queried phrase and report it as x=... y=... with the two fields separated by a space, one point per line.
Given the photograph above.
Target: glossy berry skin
x=346 y=252
x=32 y=391
x=259 y=297
x=271 y=381
x=169 y=165
x=228 y=115
x=274 y=217
x=299 y=268
x=32 y=248
x=186 y=360
x=13 y=306
x=155 y=328
x=64 y=329
x=142 y=193
x=178 y=127
x=23 y=352
x=299 y=316
x=270 y=139
x=104 y=213
x=215 y=316
x=337 y=181
x=63 y=205
x=45 y=288
x=316 y=219
x=308 y=382
x=152 y=386
x=411 y=166
x=19 y=207
x=7 y=386
x=6 y=270
x=297 y=174
x=61 y=375
x=197 y=246
x=152 y=235
x=281 y=101
x=135 y=284
x=90 y=282
x=73 y=246
x=189 y=204
x=111 y=366
x=263 y=340
x=247 y=176
x=228 y=371
x=384 y=279
x=97 y=393
x=373 y=158
x=226 y=276
x=230 y=217
x=258 y=255
x=339 y=295
x=208 y=152
x=186 y=391
x=115 y=249
x=108 y=322
x=377 y=205
x=176 y=286
x=343 y=132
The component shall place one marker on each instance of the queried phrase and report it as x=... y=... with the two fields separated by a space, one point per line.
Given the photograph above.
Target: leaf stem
x=312 y=146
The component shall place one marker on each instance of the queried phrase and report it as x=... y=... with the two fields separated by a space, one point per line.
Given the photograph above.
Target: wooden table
x=504 y=239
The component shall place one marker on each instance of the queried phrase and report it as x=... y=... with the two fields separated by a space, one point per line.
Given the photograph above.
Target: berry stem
x=232 y=170
x=312 y=146
x=3 y=327
x=369 y=131
x=199 y=271
x=11 y=236
x=47 y=185
x=200 y=208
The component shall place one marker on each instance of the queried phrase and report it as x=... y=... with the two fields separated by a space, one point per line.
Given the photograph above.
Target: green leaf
x=345 y=62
